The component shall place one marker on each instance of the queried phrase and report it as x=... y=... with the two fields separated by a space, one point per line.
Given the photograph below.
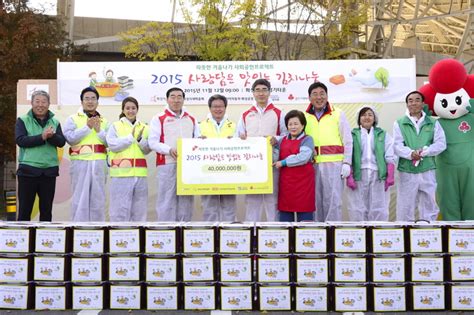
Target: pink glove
x=390 y=180
x=350 y=182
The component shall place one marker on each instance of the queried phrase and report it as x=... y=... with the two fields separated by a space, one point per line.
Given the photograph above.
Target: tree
x=218 y=30
x=254 y=29
x=308 y=29
x=342 y=27
x=156 y=41
x=288 y=25
x=224 y=30
x=31 y=43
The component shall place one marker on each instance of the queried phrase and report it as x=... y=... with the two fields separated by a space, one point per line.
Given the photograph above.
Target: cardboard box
x=428 y=297
x=15 y=239
x=199 y=297
x=51 y=240
x=388 y=240
x=50 y=268
x=274 y=297
x=162 y=297
x=388 y=268
x=198 y=268
x=236 y=296
x=126 y=296
x=124 y=268
x=273 y=269
x=426 y=239
x=160 y=241
x=427 y=268
x=311 y=299
x=199 y=239
x=124 y=240
x=350 y=239
x=87 y=269
x=390 y=298
x=51 y=296
x=312 y=269
x=236 y=269
x=15 y=267
x=88 y=240
x=88 y=297
x=273 y=239
x=351 y=298
x=15 y=296
x=235 y=239
x=310 y=240
x=161 y=269
x=350 y=268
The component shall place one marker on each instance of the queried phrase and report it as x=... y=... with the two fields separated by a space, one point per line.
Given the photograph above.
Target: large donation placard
x=224 y=166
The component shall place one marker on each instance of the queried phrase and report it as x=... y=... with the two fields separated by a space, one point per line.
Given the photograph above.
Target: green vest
x=42 y=156
x=130 y=162
x=379 y=147
x=417 y=141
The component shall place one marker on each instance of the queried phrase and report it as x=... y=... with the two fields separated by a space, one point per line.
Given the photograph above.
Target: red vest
x=173 y=128
x=297 y=184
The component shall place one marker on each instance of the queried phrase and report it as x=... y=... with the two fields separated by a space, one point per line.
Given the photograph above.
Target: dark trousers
x=28 y=188
x=285 y=216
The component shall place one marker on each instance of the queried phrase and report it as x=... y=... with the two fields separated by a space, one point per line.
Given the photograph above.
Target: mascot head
x=449 y=90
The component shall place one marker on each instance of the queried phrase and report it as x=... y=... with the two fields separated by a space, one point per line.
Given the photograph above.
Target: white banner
x=348 y=81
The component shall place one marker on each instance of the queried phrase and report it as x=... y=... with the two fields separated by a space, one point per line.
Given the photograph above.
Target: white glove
x=345 y=170
x=424 y=151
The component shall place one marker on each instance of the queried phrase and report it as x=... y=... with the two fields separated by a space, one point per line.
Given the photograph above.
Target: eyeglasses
x=176 y=97
x=264 y=90
x=315 y=94
x=218 y=106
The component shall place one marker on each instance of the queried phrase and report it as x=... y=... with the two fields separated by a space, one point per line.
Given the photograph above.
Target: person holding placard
x=165 y=130
x=217 y=125
x=294 y=158
x=262 y=120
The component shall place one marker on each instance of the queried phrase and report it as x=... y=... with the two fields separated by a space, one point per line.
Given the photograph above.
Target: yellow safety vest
x=325 y=132
x=91 y=147
x=130 y=162
x=208 y=129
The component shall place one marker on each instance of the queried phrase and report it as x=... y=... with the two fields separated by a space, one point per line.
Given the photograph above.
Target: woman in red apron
x=294 y=152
